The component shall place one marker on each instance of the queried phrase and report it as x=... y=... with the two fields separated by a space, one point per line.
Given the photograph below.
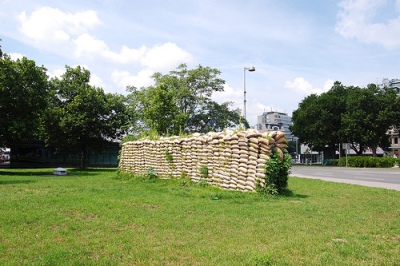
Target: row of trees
x=77 y=117
x=347 y=114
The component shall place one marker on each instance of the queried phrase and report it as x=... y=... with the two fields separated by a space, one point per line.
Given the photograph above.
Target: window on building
x=396 y=140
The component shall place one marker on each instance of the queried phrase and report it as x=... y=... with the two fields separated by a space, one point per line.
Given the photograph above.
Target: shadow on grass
x=287 y=193
x=14 y=182
x=49 y=172
x=26 y=172
x=91 y=171
x=106 y=169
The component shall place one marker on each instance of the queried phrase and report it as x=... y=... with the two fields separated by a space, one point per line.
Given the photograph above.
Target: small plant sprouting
x=204 y=171
x=151 y=173
x=169 y=157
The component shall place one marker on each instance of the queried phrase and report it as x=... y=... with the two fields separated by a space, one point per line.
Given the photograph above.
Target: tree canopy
x=81 y=117
x=359 y=116
x=181 y=102
x=24 y=94
x=77 y=117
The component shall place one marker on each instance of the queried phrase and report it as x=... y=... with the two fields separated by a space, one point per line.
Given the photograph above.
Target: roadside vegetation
x=98 y=217
x=368 y=161
x=358 y=116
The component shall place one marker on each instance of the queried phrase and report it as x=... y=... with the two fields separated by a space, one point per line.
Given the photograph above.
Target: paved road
x=384 y=178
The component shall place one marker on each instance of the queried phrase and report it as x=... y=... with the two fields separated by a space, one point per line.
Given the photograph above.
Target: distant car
x=5 y=157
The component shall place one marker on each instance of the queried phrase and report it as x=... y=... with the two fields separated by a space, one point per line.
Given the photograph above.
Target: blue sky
x=297 y=47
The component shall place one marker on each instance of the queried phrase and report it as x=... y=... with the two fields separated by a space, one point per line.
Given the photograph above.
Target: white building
x=391 y=83
x=275 y=121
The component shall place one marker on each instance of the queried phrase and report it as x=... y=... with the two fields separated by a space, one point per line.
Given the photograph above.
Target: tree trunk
x=374 y=148
x=83 y=157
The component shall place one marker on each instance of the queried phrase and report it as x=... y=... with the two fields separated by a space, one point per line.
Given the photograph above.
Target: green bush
x=368 y=161
x=169 y=157
x=204 y=171
x=151 y=173
x=276 y=179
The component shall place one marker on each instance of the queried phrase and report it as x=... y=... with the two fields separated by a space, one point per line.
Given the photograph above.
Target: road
x=372 y=177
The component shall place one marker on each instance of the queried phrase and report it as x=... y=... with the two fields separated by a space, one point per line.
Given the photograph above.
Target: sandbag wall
x=232 y=160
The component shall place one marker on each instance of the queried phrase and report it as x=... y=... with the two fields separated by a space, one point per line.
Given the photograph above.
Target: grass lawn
x=94 y=217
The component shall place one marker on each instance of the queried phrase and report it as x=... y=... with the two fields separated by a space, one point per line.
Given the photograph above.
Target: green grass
x=94 y=217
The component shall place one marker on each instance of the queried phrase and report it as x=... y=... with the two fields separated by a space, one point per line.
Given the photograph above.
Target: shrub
x=204 y=171
x=169 y=157
x=276 y=179
x=368 y=161
x=151 y=173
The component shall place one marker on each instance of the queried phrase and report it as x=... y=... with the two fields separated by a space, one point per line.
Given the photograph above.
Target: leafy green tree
x=317 y=120
x=181 y=102
x=359 y=116
x=369 y=114
x=82 y=118
x=216 y=117
x=24 y=94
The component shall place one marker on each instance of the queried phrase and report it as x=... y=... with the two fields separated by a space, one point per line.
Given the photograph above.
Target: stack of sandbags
x=139 y=162
x=195 y=152
x=231 y=160
x=243 y=152
x=235 y=160
x=211 y=164
x=254 y=152
x=216 y=177
x=147 y=157
x=177 y=156
x=186 y=156
x=228 y=174
x=281 y=143
x=222 y=160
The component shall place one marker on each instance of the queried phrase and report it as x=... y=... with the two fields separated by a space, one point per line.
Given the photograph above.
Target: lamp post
x=251 y=69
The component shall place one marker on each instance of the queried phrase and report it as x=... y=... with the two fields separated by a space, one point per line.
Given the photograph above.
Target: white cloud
x=228 y=92
x=48 y=24
x=229 y=95
x=355 y=20
x=301 y=85
x=158 y=58
x=15 y=56
x=165 y=56
x=97 y=81
x=56 y=73
x=68 y=33
x=124 y=78
x=87 y=45
x=328 y=85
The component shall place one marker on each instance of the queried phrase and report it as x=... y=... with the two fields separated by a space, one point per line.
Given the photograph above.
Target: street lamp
x=251 y=69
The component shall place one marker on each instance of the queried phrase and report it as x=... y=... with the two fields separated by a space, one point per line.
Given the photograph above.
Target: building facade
x=391 y=83
x=275 y=121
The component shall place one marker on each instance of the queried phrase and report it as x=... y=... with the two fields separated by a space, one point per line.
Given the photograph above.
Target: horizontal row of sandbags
x=228 y=159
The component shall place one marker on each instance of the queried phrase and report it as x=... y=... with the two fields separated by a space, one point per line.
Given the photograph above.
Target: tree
x=24 y=94
x=181 y=102
x=81 y=117
x=369 y=114
x=317 y=120
x=359 y=116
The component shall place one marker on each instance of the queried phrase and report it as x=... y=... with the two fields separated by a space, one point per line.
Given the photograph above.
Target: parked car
x=4 y=156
